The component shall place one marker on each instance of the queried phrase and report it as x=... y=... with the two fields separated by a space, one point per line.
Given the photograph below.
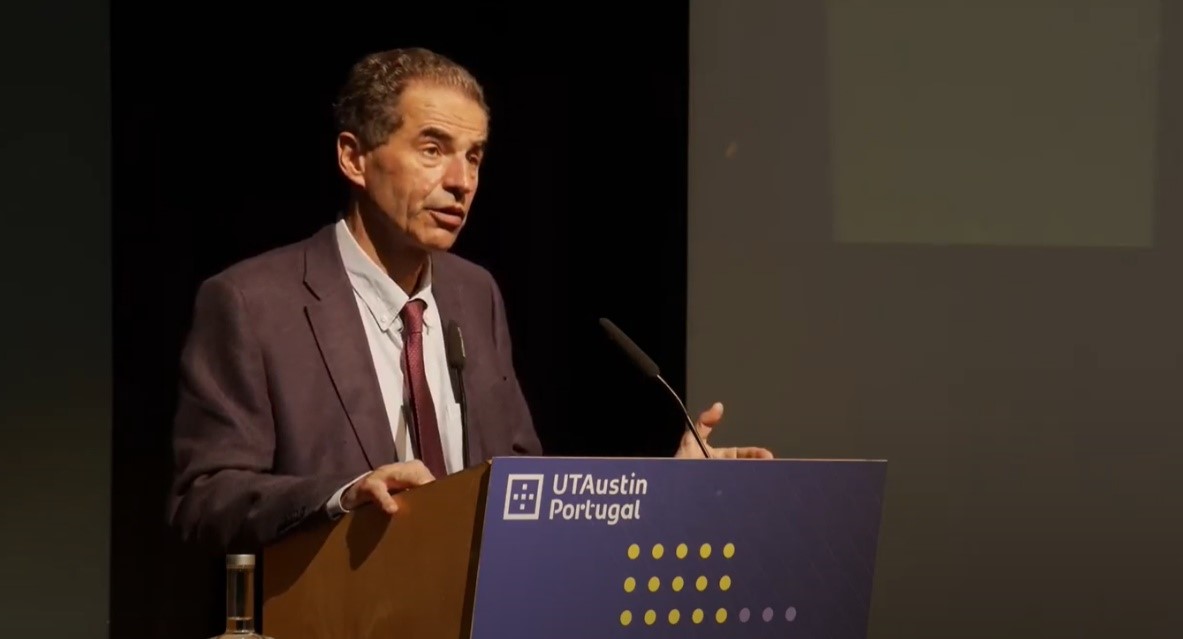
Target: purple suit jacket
x=279 y=400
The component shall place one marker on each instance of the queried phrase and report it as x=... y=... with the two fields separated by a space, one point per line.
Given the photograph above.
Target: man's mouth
x=451 y=217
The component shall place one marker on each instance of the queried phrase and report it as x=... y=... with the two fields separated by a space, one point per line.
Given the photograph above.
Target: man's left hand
x=707 y=421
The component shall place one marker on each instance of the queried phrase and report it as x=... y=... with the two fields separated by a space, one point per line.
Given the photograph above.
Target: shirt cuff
x=333 y=507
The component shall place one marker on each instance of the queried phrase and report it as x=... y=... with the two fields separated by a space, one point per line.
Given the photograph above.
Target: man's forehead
x=432 y=109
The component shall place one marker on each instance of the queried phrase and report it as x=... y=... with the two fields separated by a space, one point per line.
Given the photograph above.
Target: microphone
x=650 y=369
x=454 y=351
x=454 y=346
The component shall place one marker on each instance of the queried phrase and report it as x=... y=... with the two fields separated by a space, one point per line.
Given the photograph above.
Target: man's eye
x=431 y=151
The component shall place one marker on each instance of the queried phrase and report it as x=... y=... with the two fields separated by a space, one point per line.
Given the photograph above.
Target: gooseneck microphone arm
x=689 y=421
x=650 y=369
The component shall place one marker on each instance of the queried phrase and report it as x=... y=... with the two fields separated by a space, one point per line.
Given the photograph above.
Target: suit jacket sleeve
x=525 y=437
x=224 y=494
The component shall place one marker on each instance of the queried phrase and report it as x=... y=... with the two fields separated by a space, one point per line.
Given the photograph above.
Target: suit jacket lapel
x=340 y=336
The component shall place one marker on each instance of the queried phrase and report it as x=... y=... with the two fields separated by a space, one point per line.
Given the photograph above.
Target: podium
x=539 y=548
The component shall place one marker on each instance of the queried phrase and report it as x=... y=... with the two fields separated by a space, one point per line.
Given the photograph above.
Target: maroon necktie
x=427 y=432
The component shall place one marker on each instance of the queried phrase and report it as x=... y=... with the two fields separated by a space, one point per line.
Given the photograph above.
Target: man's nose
x=460 y=177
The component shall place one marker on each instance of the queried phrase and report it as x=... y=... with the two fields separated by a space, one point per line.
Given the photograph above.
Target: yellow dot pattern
x=678 y=583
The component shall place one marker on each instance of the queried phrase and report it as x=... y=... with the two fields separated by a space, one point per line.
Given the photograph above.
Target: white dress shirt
x=379 y=300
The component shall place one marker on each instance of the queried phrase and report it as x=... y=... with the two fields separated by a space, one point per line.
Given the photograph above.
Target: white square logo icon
x=523 y=496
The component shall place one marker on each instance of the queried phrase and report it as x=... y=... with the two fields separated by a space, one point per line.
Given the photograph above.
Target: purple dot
x=767 y=614
x=744 y=615
x=791 y=613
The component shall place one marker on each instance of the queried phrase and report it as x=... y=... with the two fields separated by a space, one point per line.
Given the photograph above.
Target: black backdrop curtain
x=224 y=148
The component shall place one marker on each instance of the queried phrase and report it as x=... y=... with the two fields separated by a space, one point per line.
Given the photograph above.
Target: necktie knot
x=412 y=315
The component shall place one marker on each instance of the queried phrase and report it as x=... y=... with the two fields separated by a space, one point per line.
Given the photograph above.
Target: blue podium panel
x=598 y=548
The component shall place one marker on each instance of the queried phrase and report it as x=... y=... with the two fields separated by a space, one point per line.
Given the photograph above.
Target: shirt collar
x=381 y=295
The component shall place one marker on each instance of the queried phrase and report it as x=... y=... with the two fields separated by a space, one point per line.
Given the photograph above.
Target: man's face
x=424 y=178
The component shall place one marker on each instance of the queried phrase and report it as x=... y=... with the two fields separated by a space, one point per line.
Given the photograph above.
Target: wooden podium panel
x=370 y=574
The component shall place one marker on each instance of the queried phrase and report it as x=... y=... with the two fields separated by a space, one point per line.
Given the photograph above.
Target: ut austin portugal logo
x=523 y=496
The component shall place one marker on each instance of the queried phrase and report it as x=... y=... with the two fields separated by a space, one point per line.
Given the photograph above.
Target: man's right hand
x=377 y=485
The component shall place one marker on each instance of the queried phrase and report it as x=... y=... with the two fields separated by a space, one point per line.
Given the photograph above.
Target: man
x=315 y=377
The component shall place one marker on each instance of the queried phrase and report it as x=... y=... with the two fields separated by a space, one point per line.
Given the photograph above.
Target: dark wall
x=55 y=326
x=223 y=148
x=1022 y=379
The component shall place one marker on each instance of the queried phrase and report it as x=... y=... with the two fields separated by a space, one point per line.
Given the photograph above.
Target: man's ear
x=350 y=158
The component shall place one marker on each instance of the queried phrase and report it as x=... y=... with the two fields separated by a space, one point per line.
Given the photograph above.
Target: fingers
x=741 y=452
x=377 y=486
x=712 y=415
x=406 y=474
x=374 y=488
x=707 y=421
x=709 y=418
